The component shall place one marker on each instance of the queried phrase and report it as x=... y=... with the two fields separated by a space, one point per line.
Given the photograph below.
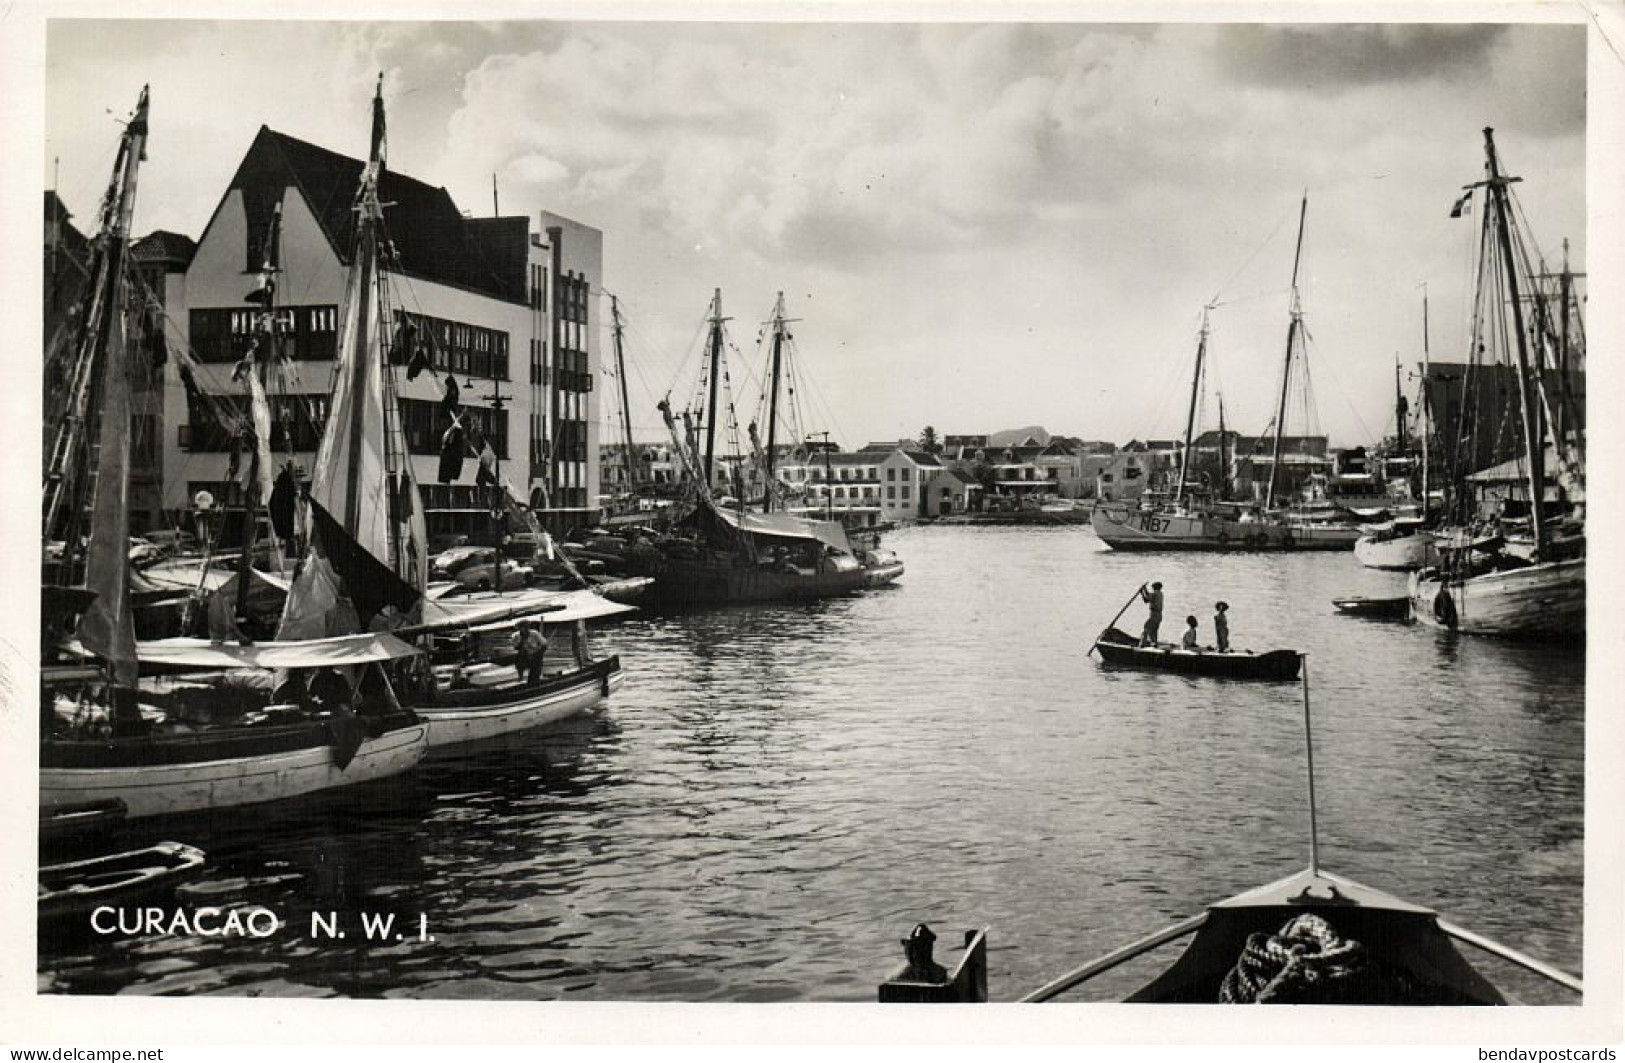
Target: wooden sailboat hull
x=1545 y=601
x=472 y=715
x=680 y=582
x=1403 y=554
x=207 y=770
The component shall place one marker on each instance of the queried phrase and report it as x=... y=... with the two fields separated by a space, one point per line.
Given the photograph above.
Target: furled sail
x=367 y=519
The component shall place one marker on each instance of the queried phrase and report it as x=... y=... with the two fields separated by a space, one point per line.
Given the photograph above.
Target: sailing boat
x=1190 y=522
x=1403 y=543
x=366 y=566
x=176 y=725
x=1482 y=585
x=728 y=554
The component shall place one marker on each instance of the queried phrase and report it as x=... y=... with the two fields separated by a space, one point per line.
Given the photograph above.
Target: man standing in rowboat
x=1221 y=626
x=1153 y=598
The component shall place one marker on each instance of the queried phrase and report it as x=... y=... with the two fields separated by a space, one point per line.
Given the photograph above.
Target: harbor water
x=779 y=793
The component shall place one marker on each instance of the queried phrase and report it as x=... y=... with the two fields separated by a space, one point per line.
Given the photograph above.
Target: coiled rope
x=1304 y=962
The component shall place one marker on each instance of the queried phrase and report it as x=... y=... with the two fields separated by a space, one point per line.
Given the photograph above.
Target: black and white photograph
x=847 y=504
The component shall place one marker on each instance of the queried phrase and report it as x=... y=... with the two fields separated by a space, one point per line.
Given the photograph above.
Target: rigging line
x=1249 y=261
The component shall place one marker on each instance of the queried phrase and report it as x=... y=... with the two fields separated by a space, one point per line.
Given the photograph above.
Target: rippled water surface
x=778 y=793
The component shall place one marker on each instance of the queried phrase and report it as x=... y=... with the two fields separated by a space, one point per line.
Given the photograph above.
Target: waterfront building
x=502 y=305
x=951 y=490
x=1139 y=467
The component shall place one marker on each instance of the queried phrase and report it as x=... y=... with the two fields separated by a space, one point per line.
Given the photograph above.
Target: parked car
x=476 y=567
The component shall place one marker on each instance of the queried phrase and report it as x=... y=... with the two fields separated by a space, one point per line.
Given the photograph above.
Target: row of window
x=207 y=432
x=309 y=333
x=573 y=293
x=451 y=346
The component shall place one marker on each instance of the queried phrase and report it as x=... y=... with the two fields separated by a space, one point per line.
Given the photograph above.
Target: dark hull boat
x=1374 y=608
x=1312 y=938
x=1116 y=647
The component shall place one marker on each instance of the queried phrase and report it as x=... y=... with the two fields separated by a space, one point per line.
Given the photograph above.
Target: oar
x=1116 y=618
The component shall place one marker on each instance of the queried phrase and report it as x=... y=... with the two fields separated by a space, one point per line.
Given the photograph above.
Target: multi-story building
x=502 y=305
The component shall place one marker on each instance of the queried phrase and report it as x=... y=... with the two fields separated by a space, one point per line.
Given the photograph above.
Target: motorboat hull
x=1122 y=528
x=1405 y=553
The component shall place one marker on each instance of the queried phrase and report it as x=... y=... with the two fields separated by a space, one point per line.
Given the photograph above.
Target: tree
x=928 y=440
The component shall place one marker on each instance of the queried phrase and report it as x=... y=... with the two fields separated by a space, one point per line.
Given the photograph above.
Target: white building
x=500 y=304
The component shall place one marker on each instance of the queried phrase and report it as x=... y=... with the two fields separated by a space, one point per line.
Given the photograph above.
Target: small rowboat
x=1374 y=608
x=75 y=889
x=1117 y=647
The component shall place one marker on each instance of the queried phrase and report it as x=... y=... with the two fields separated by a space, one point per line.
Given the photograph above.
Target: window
x=891 y=492
x=423 y=424
x=891 y=474
x=903 y=492
x=451 y=345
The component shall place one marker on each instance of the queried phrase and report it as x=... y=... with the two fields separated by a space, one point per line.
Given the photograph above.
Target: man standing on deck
x=1153 y=598
x=529 y=645
x=1221 y=626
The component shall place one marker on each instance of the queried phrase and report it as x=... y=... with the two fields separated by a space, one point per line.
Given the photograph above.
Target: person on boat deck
x=330 y=691
x=1189 y=642
x=529 y=647
x=1153 y=621
x=1221 y=626
x=578 y=644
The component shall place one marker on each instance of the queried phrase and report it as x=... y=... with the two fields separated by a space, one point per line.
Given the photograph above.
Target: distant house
x=1137 y=468
x=950 y=490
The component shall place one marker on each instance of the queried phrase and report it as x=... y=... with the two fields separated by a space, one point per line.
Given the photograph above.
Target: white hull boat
x=1404 y=553
x=195 y=785
x=477 y=712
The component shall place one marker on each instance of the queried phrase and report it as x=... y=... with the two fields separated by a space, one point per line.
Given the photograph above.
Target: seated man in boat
x=1221 y=626
x=330 y=692
x=1190 y=640
x=529 y=646
x=1153 y=621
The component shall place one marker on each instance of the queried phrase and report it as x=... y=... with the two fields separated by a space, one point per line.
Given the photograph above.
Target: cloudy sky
x=980 y=226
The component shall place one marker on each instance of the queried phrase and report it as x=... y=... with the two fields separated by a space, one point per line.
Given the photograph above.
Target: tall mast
x=107 y=627
x=716 y=359
x=103 y=313
x=1565 y=287
x=1400 y=408
x=1427 y=403
x=626 y=409
x=1286 y=372
x=1224 y=460
x=1533 y=443
x=773 y=397
x=369 y=215
x=1190 y=416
